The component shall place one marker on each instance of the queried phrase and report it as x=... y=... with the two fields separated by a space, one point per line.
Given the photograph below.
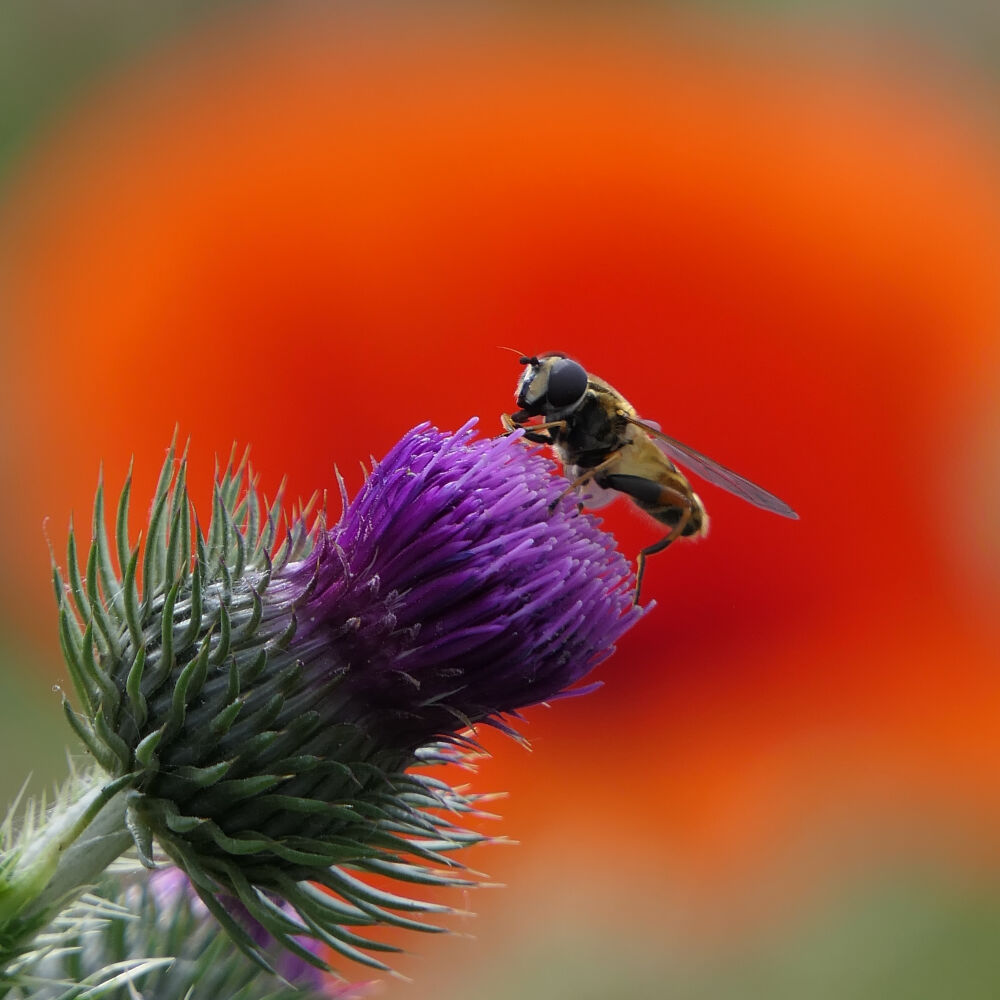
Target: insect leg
x=531 y=430
x=551 y=425
x=651 y=493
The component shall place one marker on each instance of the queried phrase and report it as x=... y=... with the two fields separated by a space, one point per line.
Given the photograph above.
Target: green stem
x=63 y=858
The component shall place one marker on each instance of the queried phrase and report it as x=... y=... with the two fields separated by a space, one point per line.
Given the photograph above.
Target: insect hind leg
x=650 y=494
x=644 y=554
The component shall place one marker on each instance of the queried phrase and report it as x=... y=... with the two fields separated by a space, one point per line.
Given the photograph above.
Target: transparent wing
x=592 y=496
x=712 y=472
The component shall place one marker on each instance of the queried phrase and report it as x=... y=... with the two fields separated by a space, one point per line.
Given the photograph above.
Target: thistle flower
x=447 y=595
x=257 y=697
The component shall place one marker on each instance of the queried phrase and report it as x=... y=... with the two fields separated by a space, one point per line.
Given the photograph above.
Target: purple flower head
x=458 y=585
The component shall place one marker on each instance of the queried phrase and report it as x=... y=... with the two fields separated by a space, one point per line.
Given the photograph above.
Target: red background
x=308 y=235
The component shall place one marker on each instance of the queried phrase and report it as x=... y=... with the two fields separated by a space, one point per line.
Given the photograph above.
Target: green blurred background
x=775 y=226
x=51 y=56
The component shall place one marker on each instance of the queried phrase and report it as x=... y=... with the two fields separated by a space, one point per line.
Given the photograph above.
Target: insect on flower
x=600 y=440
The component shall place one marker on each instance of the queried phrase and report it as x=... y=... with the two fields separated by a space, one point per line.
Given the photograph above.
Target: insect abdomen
x=665 y=503
x=696 y=522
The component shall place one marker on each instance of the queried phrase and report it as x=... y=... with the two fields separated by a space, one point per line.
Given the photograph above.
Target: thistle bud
x=142 y=936
x=258 y=693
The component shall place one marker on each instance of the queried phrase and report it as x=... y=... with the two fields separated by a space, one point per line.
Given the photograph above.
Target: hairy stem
x=58 y=859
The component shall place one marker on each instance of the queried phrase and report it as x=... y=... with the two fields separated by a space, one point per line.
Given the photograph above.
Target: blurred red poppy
x=310 y=235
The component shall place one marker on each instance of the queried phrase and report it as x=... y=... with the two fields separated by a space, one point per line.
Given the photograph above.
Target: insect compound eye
x=567 y=383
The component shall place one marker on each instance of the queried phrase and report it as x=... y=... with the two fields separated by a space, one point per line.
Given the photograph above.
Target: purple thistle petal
x=449 y=594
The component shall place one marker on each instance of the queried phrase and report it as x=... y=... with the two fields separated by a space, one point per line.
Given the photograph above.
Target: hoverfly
x=600 y=439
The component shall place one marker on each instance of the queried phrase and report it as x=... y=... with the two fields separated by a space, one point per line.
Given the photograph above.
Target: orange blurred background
x=307 y=232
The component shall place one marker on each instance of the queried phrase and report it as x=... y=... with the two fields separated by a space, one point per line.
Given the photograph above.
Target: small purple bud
x=171 y=890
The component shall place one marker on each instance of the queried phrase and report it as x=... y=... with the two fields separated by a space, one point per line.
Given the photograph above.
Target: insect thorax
x=591 y=433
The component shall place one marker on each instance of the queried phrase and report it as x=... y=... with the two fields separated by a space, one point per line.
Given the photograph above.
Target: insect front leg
x=510 y=425
x=650 y=493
